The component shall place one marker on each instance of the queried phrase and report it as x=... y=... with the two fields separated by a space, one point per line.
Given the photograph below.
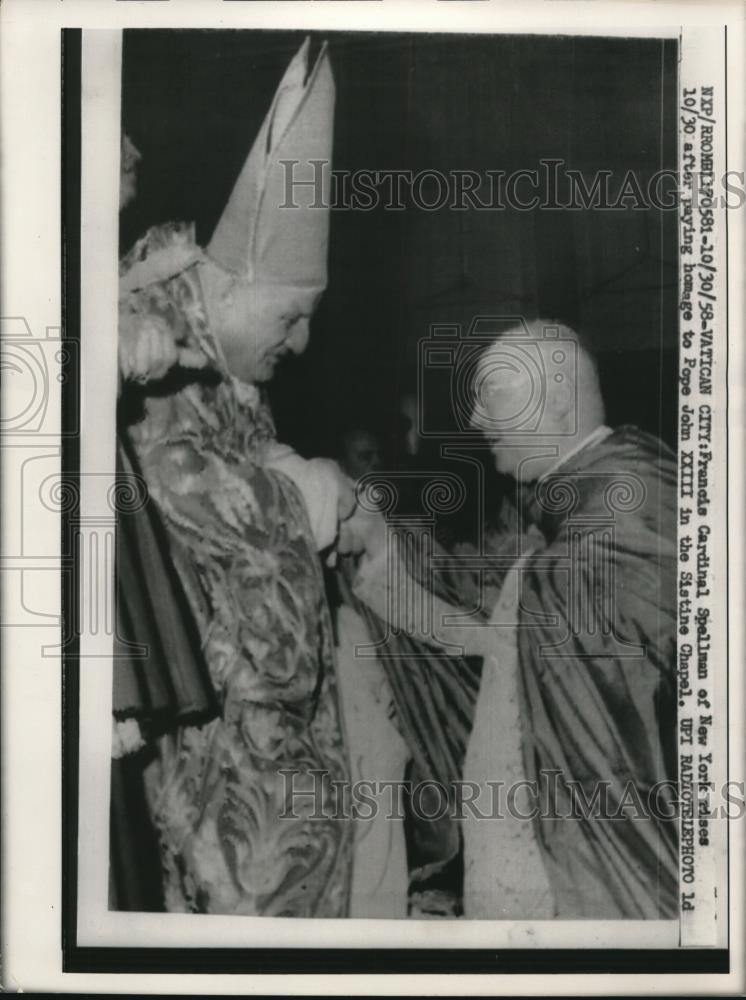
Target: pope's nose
x=298 y=338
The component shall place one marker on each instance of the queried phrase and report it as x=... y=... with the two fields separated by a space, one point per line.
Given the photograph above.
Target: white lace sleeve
x=317 y=483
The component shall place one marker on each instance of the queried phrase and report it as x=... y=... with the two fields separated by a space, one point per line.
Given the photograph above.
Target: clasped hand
x=148 y=349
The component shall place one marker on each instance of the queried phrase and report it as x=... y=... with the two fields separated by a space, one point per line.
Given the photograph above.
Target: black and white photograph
x=365 y=373
x=393 y=495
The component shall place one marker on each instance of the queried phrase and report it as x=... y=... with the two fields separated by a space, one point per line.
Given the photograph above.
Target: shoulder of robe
x=630 y=479
x=162 y=253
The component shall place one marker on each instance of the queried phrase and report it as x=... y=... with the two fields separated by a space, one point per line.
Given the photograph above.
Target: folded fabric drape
x=160 y=677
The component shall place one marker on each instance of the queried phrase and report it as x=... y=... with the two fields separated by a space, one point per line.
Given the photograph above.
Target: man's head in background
x=359 y=452
x=129 y=157
x=536 y=396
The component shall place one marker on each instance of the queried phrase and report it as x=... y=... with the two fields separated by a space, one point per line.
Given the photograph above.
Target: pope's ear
x=561 y=404
x=567 y=393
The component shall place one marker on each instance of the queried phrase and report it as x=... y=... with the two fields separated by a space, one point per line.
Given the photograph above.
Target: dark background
x=194 y=100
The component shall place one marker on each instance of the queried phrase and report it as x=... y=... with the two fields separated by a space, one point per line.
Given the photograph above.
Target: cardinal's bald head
x=536 y=395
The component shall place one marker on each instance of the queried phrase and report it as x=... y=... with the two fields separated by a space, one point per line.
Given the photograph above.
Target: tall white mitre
x=258 y=238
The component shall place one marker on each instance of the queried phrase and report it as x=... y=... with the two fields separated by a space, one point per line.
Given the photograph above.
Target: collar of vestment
x=547 y=507
x=589 y=441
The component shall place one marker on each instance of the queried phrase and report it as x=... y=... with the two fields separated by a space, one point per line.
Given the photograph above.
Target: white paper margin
x=30 y=286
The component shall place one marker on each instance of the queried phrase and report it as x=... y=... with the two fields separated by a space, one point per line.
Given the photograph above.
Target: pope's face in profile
x=257 y=323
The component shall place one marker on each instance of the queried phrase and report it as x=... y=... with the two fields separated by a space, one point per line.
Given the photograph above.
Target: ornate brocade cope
x=243 y=548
